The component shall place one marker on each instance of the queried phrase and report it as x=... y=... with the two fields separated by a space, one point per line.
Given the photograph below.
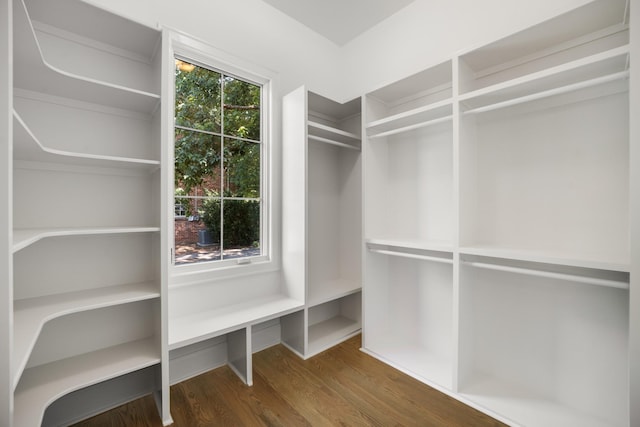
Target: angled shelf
x=33 y=72
x=31 y=314
x=25 y=237
x=27 y=147
x=41 y=385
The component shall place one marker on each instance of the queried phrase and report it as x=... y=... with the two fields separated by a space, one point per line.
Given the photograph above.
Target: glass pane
x=241 y=228
x=197 y=237
x=241 y=168
x=197 y=97
x=197 y=163
x=241 y=109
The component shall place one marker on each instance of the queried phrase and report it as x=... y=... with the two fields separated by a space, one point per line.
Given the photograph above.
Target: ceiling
x=339 y=20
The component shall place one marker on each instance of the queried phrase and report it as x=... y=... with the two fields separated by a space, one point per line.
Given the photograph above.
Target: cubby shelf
x=29 y=148
x=41 y=385
x=31 y=314
x=332 y=289
x=25 y=237
x=326 y=334
x=37 y=75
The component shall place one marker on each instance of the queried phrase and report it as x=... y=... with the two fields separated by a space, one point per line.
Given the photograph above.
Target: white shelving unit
x=86 y=207
x=497 y=223
x=322 y=193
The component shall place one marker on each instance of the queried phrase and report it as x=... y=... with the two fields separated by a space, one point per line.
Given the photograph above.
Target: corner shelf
x=25 y=237
x=41 y=385
x=31 y=314
x=28 y=148
x=34 y=73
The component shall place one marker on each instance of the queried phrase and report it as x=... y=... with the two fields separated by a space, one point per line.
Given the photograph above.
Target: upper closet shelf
x=594 y=70
x=334 y=136
x=25 y=237
x=424 y=116
x=31 y=314
x=27 y=147
x=548 y=257
x=42 y=385
x=32 y=72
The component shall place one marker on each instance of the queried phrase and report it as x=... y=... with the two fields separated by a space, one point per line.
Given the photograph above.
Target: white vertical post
x=6 y=223
x=634 y=288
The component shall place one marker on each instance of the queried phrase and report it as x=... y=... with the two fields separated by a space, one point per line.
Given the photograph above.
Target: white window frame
x=200 y=53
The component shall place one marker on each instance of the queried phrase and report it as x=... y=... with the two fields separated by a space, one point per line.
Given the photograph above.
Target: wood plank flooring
x=340 y=387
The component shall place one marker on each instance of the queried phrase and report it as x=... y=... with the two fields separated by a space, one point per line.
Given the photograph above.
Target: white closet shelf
x=34 y=73
x=332 y=142
x=27 y=147
x=590 y=71
x=28 y=236
x=414 y=360
x=202 y=325
x=130 y=37
x=31 y=314
x=432 y=114
x=548 y=257
x=319 y=293
x=525 y=407
x=438 y=246
x=326 y=334
x=318 y=129
x=42 y=385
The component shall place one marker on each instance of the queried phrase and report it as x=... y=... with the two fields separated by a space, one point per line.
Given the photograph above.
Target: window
x=218 y=165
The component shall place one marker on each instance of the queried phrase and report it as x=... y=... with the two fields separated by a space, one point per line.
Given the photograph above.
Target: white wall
x=250 y=29
x=428 y=32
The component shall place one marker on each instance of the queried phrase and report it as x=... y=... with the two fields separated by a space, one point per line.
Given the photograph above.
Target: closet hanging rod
x=551 y=92
x=413 y=256
x=551 y=275
x=332 y=142
x=411 y=127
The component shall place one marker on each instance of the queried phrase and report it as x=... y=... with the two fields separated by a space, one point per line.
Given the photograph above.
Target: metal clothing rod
x=413 y=256
x=411 y=127
x=552 y=275
x=332 y=142
x=551 y=92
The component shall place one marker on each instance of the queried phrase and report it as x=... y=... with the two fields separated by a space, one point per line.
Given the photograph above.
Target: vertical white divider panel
x=6 y=226
x=166 y=211
x=634 y=291
x=294 y=193
x=455 y=309
x=239 y=354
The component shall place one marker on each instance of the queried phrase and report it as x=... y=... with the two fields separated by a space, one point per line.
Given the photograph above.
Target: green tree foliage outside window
x=218 y=152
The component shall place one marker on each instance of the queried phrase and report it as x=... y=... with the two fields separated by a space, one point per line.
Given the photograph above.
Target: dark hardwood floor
x=340 y=387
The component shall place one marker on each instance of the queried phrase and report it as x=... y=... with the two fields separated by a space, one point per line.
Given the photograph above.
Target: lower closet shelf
x=525 y=407
x=419 y=362
x=326 y=334
x=42 y=385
